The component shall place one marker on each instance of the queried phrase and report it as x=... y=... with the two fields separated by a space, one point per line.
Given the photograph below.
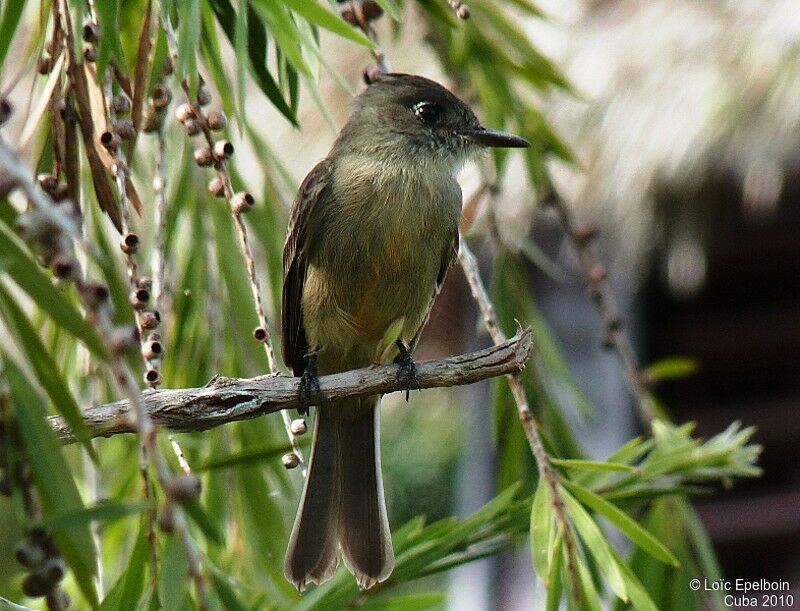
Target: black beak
x=492 y=137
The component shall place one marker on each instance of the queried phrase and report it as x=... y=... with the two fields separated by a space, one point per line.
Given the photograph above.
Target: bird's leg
x=407 y=374
x=308 y=392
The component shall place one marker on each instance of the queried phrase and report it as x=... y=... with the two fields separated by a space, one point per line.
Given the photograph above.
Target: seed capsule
x=216 y=120
x=203 y=156
x=242 y=202
x=290 y=460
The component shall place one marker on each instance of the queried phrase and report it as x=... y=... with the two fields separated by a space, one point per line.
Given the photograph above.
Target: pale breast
x=381 y=246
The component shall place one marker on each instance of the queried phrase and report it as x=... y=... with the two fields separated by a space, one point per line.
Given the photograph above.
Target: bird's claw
x=407 y=373
x=308 y=391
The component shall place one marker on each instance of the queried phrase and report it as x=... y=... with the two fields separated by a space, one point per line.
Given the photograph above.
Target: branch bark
x=225 y=400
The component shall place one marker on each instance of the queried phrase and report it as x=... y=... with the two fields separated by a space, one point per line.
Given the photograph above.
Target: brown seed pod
x=44 y=65
x=463 y=12
x=223 y=149
x=153 y=119
x=184 y=112
x=125 y=129
x=161 y=96
x=152 y=377
x=121 y=104
x=35 y=585
x=242 y=202
x=203 y=95
x=216 y=120
x=53 y=571
x=166 y=519
x=371 y=10
x=139 y=298
x=183 y=488
x=192 y=126
x=216 y=187
x=129 y=243
x=48 y=183
x=90 y=53
x=152 y=350
x=6 y=110
x=290 y=460
x=260 y=334
x=349 y=15
x=109 y=140
x=298 y=427
x=94 y=294
x=29 y=554
x=149 y=319
x=203 y=156
x=64 y=266
x=91 y=32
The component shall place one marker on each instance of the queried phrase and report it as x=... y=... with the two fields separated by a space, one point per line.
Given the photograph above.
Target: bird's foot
x=407 y=373
x=308 y=391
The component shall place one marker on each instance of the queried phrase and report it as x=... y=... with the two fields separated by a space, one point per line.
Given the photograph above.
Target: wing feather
x=294 y=344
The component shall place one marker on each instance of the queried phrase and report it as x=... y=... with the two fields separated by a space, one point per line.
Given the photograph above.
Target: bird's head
x=413 y=118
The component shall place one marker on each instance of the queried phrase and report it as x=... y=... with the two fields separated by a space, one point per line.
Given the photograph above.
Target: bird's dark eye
x=427 y=112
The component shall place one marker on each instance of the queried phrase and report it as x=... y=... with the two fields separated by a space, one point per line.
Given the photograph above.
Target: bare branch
x=617 y=337
x=225 y=400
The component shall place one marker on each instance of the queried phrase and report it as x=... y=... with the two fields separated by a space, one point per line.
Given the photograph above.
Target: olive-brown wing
x=296 y=253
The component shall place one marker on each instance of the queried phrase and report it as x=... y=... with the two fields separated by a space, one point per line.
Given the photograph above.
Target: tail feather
x=343 y=501
x=363 y=525
x=313 y=552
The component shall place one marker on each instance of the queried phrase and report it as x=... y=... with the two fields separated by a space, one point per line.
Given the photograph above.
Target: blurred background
x=684 y=120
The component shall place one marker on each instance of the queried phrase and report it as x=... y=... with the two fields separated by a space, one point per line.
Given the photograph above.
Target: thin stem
x=617 y=337
x=470 y=266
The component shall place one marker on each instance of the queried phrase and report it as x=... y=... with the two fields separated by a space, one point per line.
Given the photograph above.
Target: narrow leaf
x=592 y=465
x=28 y=275
x=44 y=366
x=53 y=479
x=636 y=533
x=322 y=17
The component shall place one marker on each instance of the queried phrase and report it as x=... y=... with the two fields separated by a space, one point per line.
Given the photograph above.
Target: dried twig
x=617 y=337
x=470 y=266
x=226 y=400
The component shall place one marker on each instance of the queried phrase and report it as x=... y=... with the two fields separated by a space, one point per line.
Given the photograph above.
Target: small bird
x=373 y=231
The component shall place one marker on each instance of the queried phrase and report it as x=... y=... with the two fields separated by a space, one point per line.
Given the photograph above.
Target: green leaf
x=554 y=576
x=189 y=29
x=596 y=543
x=592 y=465
x=28 y=275
x=391 y=8
x=226 y=593
x=103 y=511
x=322 y=17
x=284 y=29
x=406 y=602
x=53 y=479
x=128 y=590
x=636 y=592
x=257 y=47
x=636 y=533
x=673 y=368
x=541 y=530
x=8 y=27
x=173 y=582
x=108 y=45
x=590 y=597
x=213 y=56
x=44 y=366
x=199 y=516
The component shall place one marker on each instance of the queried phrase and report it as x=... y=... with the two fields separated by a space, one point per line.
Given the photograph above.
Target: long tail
x=343 y=501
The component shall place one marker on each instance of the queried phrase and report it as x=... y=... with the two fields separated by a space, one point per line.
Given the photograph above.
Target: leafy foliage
x=57 y=360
